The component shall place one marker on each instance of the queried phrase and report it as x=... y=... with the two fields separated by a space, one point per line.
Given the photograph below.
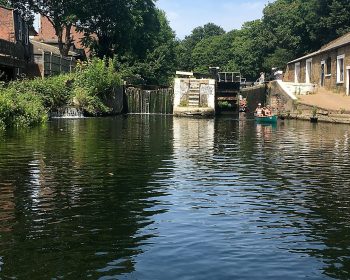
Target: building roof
x=39 y=47
x=7 y=8
x=337 y=43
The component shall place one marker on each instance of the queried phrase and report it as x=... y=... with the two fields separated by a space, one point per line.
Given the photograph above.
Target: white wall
x=206 y=89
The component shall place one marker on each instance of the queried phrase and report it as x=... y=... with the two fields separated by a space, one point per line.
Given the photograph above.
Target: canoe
x=266 y=119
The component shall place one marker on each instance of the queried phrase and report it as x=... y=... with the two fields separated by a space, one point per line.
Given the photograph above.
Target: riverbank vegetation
x=27 y=102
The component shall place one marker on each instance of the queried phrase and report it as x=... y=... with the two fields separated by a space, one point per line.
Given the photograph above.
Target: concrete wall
x=115 y=101
x=254 y=96
x=278 y=99
x=205 y=88
x=194 y=96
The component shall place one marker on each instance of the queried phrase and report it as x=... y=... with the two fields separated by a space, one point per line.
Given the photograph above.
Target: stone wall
x=254 y=96
x=115 y=101
x=330 y=80
x=279 y=100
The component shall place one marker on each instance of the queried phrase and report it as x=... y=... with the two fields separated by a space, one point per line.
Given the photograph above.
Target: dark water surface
x=152 y=197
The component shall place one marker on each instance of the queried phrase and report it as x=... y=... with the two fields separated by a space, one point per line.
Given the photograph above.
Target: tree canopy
x=4 y=3
x=288 y=29
x=144 y=46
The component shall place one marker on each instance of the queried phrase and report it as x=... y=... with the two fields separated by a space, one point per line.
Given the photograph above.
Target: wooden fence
x=55 y=64
x=11 y=54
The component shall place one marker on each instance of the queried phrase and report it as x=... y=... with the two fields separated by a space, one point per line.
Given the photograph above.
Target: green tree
x=213 y=51
x=333 y=20
x=249 y=48
x=61 y=14
x=5 y=3
x=185 y=47
x=159 y=64
x=121 y=26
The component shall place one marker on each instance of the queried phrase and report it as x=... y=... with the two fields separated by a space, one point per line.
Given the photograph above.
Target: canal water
x=156 y=197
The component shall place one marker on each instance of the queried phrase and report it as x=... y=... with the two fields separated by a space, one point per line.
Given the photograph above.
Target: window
x=340 y=68
x=329 y=66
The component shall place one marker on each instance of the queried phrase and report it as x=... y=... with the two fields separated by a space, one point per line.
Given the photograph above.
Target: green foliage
x=25 y=103
x=6 y=4
x=224 y=105
x=158 y=65
x=185 y=48
x=213 y=51
x=287 y=30
x=20 y=109
x=94 y=81
x=248 y=49
x=54 y=91
x=279 y=58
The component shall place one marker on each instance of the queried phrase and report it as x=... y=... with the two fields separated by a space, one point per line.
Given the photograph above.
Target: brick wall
x=7 y=30
x=47 y=34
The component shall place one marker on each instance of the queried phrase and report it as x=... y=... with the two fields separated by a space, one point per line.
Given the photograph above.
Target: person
x=259 y=111
x=269 y=110
x=262 y=78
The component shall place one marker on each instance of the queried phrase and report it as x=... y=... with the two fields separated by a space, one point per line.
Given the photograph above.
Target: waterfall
x=67 y=113
x=140 y=101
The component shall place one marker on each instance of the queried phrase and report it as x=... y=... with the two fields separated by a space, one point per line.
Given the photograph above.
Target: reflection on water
x=152 y=197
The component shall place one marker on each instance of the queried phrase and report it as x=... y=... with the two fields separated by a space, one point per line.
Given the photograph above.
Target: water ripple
x=120 y=198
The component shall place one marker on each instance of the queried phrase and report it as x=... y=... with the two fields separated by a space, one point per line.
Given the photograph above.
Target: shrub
x=25 y=103
x=94 y=81
x=55 y=91
x=20 y=109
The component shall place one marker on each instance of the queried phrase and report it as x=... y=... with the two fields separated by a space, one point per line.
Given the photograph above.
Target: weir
x=149 y=101
x=67 y=113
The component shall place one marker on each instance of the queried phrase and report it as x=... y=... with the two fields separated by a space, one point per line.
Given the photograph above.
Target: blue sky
x=184 y=15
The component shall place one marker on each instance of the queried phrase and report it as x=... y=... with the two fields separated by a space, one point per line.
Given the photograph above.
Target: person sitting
x=259 y=111
x=268 y=111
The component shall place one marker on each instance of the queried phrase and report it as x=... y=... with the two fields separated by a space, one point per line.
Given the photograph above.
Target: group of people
x=263 y=111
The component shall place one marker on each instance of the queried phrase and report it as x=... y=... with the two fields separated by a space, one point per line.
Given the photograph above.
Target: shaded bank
x=93 y=88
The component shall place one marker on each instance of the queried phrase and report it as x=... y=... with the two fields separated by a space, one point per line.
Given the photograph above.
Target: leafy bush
x=25 y=103
x=20 y=109
x=54 y=91
x=94 y=81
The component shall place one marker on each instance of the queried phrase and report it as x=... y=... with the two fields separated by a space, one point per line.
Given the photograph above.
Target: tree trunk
x=59 y=34
x=68 y=40
x=64 y=45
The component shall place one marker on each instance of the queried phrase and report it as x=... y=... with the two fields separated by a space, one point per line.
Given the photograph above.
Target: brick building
x=328 y=67
x=14 y=43
x=47 y=35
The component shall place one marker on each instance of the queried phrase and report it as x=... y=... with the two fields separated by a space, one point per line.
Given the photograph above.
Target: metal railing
x=229 y=77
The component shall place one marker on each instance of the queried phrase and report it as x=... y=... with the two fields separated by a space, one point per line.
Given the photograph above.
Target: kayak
x=266 y=119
